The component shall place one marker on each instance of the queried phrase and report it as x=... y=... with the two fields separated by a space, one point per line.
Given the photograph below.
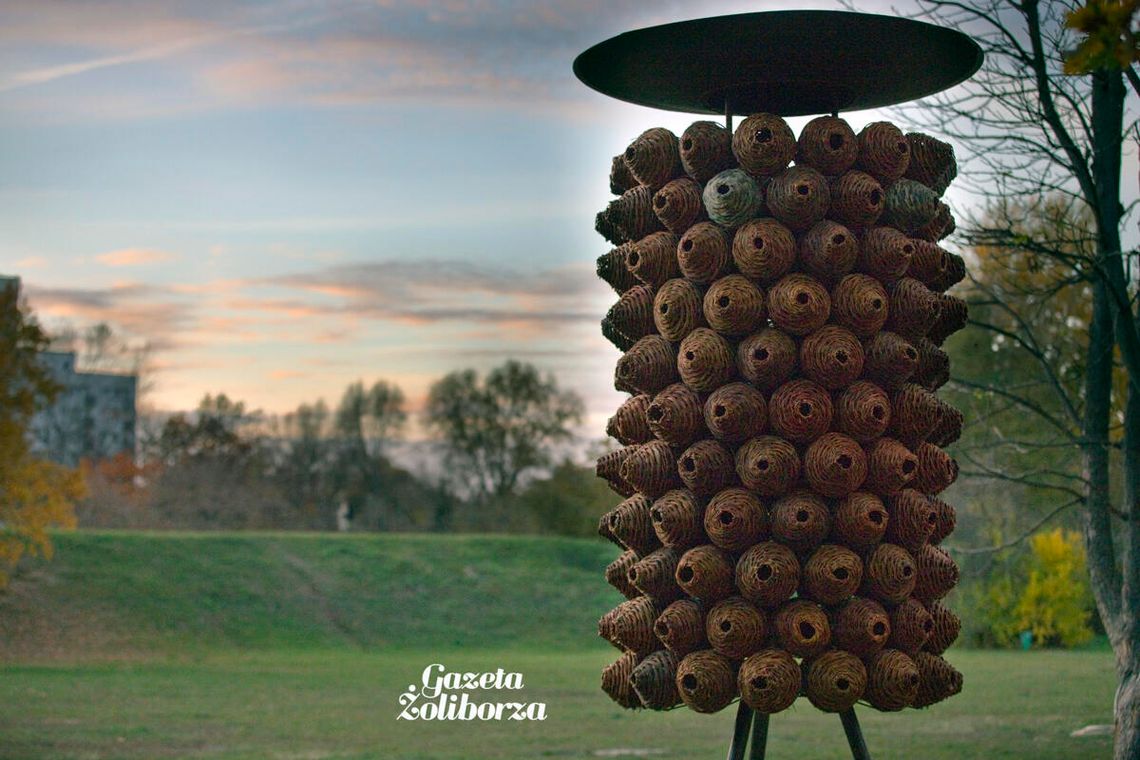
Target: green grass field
x=283 y=646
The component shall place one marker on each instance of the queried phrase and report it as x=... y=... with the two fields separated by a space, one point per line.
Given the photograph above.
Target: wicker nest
x=631 y=317
x=892 y=680
x=912 y=520
x=945 y=519
x=835 y=680
x=652 y=575
x=655 y=681
x=799 y=197
x=863 y=411
x=653 y=258
x=769 y=681
x=884 y=151
x=736 y=628
x=651 y=469
x=910 y=206
x=763 y=144
x=734 y=306
x=835 y=465
x=605 y=532
x=859 y=303
x=832 y=356
x=611 y=268
x=631 y=627
x=828 y=251
x=861 y=627
x=885 y=254
x=736 y=412
x=832 y=574
x=890 y=360
x=948 y=427
x=735 y=519
x=800 y=520
x=857 y=199
x=911 y=626
x=616 y=683
x=629 y=217
x=952 y=317
x=933 y=370
x=889 y=573
x=860 y=521
x=705 y=573
x=766 y=359
x=914 y=308
x=704 y=253
x=946 y=628
x=706 y=467
x=705 y=360
x=608 y=468
x=929 y=264
x=936 y=469
x=890 y=466
x=937 y=679
x=678 y=517
x=617 y=574
x=931 y=162
x=936 y=571
x=915 y=412
x=675 y=415
x=732 y=198
x=827 y=144
x=706 y=681
x=802 y=628
x=768 y=574
x=648 y=366
x=940 y=227
x=678 y=204
x=706 y=150
x=620 y=177
x=629 y=424
x=677 y=309
x=681 y=627
x=764 y=250
x=800 y=411
x=955 y=273
x=630 y=524
x=653 y=158
x=767 y=465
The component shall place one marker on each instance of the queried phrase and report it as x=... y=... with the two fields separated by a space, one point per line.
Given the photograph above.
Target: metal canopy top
x=792 y=63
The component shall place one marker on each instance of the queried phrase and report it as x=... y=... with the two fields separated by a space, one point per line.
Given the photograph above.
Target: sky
x=283 y=197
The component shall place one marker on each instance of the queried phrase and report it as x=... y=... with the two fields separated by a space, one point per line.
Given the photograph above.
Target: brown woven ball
x=940 y=227
x=885 y=254
x=706 y=150
x=936 y=469
x=706 y=681
x=705 y=361
x=763 y=144
x=706 y=467
x=911 y=626
x=616 y=683
x=857 y=200
x=736 y=628
x=832 y=574
x=652 y=575
x=653 y=158
x=769 y=681
x=860 y=521
x=617 y=574
x=933 y=370
x=608 y=468
x=835 y=680
x=912 y=519
x=677 y=309
x=909 y=206
x=629 y=424
x=734 y=306
x=736 y=412
x=611 y=268
x=800 y=411
x=890 y=466
x=767 y=465
x=892 y=681
x=632 y=625
x=630 y=524
x=678 y=519
x=859 y=302
x=914 y=308
x=931 y=162
x=799 y=304
x=929 y=263
x=629 y=217
x=832 y=356
x=937 y=680
x=704 y=253
x=678 y=204
x=827 y=144
x=735 y=519
x=648 y=366
x=802 y=628
x=952 y=317
x=889 y=574
x=936 y=571
x=681 y=627
x=955 y=273
x=946 y=627
x=767 y=358
x=889 y=360
x=828 y=251
x=884 y=151
x=632 y=316
x=675 y=415
x=863 y=411
x=944 y=520
x=653 y=258
x=915 y=412
x=799 y=197
x=733 y=197
x=768 y=574
x=620 y=177
x=654 y=680
x=705 y=573
x=861 y=627
x=800 y=521
x=835 y=465
x=764 y=250
x=948 y=428
x=651 y=469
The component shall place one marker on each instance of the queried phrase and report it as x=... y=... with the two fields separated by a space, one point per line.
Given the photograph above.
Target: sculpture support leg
x=740 y=732
x=854 y=735
x=759 y=736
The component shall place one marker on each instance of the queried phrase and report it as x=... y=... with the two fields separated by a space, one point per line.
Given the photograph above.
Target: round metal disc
x=792 y=63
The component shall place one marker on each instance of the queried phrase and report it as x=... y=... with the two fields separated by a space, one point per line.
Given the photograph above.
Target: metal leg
x=759 y=736
x=727 y=114
x=740 y=732
x=854 y=735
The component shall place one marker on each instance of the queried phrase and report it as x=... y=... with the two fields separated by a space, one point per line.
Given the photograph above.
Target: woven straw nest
x=884 y=151
x=767 y=359
x=885 y=254
x=857 y=200
x=769 y=681
x=859 y=302
x=835 y=680
x=863 y=411
x=706 y=681
x=704 y=252
x=955 y=273
x=937 y=679
x=892 y=680
x=649 y=365
x=767 y=465
x=768 y=574
x=611 y=268
x=948 y=427
x=832 y=356
x=800 y=410
x=629 y=626
x=912 y=519
x=860 y=521
x=889 y=360
x=802 y=628
x=835 y=465
x=940 y=227
x=654 y=680
x=617 y=574
x=652 y=575
x=799 y=197
x=675 y=416
x=930 y=263
x=681 y=627
x=914 y=308
x=616 y=683
x=945 y=630
x=828 y=251
x=733 y=197
x=705 y=360
x=800 y=520
x=827 y=144
x=706 y=467
x=678 y=204
x=764 y=250
x=931 y=162
x=832 y=574
x=861 y=627
x=799 y=304
x=736 y=628
x=736 y=412
x=952 y=316
x=651 y=469
x=910 y=206
x=706 y=150
x=945 y=519
x=653 y=258
x=620 y=177
x=933 y=367
x=629 y=424
x=890 y=466
x=677 y=309
x=631 y=318
x=653 y=158
x=936 y=469
x=915 y=412
x=735 y=519
x=734 y=306
x=936 y=571
x=678 y=519
x=705 y=573
x=628 y=217
x=911 y=626
x=630 y=524
x=608 y=468
x=889 y=573
x=763 y=144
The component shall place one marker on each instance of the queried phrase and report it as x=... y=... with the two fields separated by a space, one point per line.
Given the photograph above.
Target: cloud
x=133 y=257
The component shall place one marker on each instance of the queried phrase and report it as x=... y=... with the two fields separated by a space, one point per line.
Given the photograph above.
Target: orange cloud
x=133 y=257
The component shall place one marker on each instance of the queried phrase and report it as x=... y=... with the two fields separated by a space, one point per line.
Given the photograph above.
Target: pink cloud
x=133 y=257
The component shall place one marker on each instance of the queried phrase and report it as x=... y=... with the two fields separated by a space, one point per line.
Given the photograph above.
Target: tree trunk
x=1126 y=734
